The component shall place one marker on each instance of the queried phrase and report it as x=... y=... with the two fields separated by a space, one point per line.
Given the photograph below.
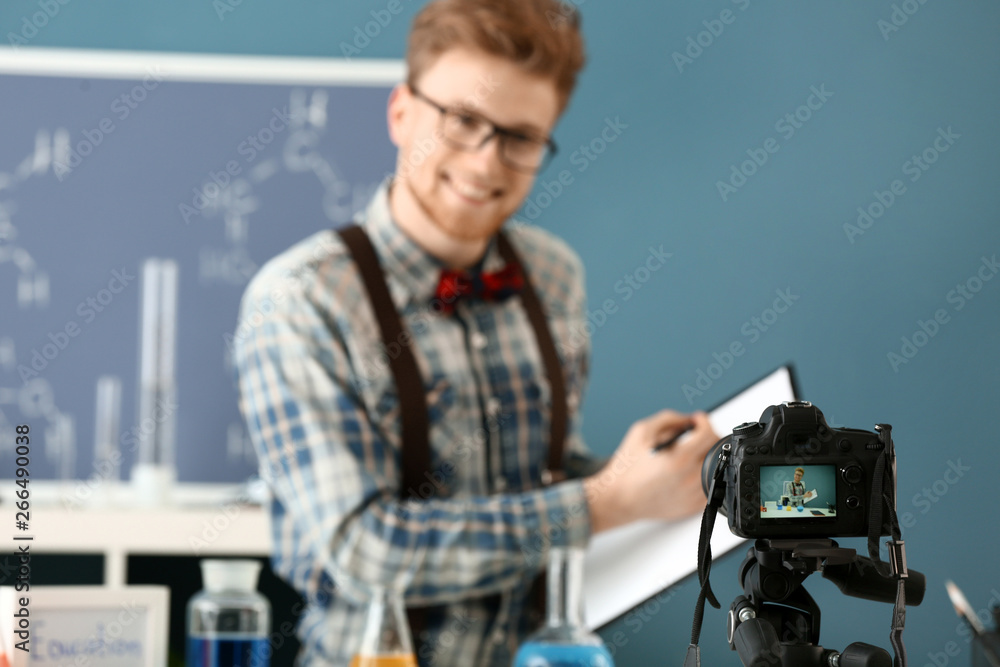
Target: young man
x=487 y=81
x=796 y=489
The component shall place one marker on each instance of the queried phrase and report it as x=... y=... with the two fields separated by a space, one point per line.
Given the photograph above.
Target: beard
x=456 y=226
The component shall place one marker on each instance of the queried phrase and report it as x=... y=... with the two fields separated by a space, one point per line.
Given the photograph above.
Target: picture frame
x=112 y=627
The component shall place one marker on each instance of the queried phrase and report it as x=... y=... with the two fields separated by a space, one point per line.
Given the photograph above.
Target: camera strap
x=715 y=498
x=896 y=567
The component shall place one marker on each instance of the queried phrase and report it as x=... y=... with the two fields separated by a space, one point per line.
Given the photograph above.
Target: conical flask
x=386 y=641
x=564 y=641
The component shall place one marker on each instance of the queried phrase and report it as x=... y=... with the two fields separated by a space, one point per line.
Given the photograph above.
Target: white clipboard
x=626 y=566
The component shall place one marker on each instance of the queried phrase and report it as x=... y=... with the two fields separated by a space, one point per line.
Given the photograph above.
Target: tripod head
x=776 y=621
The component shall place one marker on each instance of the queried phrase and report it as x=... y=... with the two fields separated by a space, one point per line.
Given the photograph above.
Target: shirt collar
x=412 y=272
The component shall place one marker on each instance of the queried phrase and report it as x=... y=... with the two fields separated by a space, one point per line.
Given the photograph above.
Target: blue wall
x=891 y=90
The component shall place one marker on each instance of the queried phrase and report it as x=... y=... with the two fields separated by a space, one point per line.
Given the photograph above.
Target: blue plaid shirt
x=322 y=410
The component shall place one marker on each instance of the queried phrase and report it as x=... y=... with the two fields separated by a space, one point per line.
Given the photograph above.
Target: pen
x=965 y=612
x=664 y=445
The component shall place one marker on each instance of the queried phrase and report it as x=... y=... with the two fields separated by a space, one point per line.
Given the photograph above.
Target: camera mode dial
x=748 y=429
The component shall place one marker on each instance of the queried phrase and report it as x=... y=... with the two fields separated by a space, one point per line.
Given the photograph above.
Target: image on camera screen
x=798 y=492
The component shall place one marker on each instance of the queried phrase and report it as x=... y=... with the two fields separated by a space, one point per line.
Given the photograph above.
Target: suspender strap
x=415 y=429
x=415 y=423
x=553 y=368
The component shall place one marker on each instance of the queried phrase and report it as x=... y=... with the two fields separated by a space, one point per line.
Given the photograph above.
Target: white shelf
x=205 y=520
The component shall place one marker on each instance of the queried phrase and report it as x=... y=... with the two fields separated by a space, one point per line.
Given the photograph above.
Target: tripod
x=777 y=622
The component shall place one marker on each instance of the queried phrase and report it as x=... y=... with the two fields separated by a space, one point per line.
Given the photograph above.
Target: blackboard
x=216 y=162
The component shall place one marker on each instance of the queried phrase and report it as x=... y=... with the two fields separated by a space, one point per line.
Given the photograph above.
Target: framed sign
x=64 y=626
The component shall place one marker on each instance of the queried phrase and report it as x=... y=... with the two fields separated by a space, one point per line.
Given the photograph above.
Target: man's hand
x=640 y=484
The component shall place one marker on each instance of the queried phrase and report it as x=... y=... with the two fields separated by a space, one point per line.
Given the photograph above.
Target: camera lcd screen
x=798 y=492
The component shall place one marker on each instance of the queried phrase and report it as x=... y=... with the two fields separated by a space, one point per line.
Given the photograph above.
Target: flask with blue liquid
x=565 y=640
x=228 y=622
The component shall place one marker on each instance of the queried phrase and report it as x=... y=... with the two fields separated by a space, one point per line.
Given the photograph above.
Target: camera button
x=844 y=445
x=764 y=449
x=748 y=481
x=853 y=474
x=853 y=502
x=750 y=451
x=748 y=467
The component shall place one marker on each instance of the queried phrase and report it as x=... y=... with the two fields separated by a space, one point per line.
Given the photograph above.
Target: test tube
x=154 y=472
x=107 y=425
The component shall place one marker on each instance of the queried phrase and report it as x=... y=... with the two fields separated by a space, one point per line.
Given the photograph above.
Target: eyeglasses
x=468 y=131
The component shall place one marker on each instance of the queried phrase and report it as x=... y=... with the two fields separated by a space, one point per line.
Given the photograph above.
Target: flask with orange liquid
x=386 y=641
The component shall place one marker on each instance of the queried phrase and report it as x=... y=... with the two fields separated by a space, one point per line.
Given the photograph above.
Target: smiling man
x=412 y=383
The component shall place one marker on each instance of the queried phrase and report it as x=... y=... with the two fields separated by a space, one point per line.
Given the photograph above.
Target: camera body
x=792 y=475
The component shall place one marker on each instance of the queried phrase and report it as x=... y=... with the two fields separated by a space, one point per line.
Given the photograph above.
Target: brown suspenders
x=416 y=455
x=553 y=368
x=405 y=372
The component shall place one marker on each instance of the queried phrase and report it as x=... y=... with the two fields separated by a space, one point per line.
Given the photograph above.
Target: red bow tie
x=496 y=286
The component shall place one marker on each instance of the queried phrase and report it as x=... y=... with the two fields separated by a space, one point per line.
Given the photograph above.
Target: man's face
x=798 y=475
x=467 y=195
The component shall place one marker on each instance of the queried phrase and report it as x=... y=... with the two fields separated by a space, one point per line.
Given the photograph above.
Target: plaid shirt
x=322 y=410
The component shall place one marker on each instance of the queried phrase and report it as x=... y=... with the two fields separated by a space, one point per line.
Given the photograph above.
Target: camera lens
x=709 y=466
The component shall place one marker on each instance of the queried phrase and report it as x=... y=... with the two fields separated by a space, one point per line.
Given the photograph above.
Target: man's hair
x=541 y=36
x=801 y=470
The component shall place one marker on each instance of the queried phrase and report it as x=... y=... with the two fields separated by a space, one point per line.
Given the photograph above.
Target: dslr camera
x=792 y=475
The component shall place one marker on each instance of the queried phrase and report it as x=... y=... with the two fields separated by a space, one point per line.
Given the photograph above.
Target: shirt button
x=493 y=406
x=479 y=340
